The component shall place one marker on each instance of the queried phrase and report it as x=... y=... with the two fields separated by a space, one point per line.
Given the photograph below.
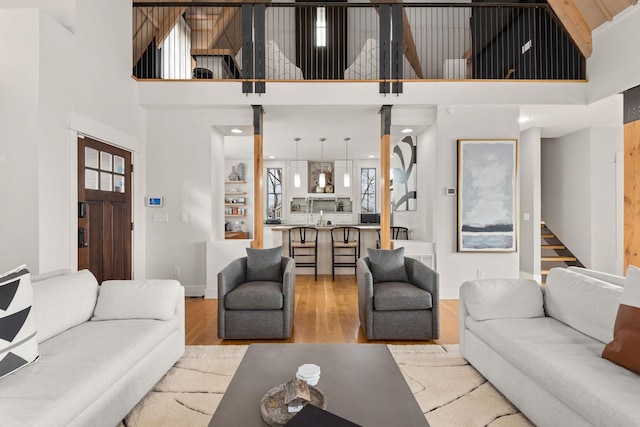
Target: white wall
x=454 y=123
x=60 y=69
x=614 y=65
x=530 y=199
x=566 y=193
x=179 y=169
x=607 y=206
x=579 y=202
x=19 y=94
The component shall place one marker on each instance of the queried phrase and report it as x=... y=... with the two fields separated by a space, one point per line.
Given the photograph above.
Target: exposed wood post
x=385 y=177
x=258 y=181
x=631 y=176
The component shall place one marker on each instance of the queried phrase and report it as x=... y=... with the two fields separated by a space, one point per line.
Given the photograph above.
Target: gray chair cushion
x=400 y=296
x=264 y=264
x=387 y=265
x=257 y=295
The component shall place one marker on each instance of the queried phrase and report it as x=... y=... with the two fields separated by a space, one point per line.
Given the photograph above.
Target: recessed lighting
x=371 y=156
x=272 y=157
x=407 y=130
x=236 y=130
x=524 y=119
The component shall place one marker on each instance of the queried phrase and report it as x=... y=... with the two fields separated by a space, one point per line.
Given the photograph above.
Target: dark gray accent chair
x=399 y=310
x=256 y=309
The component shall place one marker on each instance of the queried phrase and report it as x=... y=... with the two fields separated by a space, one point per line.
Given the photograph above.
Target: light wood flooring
x=326 y=312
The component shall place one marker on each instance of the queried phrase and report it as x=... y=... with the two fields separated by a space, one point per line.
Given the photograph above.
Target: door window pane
x=106 y=160
x=91 y=178
x=91 y=158
x=106 y=181
x=118 y=184
x=118 y=164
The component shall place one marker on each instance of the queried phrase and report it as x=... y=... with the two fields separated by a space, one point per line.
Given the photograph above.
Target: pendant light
x=347 y=177
x=296 y=176
x=322 y=179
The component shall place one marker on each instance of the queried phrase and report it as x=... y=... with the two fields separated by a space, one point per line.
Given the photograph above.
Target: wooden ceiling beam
x=229 y=15
x=410 y=50
x=169 y=19
x=605 y=11
x=575 y=24
x=149 y=15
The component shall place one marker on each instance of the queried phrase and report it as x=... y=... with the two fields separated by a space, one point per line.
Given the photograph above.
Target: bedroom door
x=321 y=40
x=104 y=210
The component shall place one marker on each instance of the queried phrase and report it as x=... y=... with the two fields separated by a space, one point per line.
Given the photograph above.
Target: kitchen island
x=368 y=238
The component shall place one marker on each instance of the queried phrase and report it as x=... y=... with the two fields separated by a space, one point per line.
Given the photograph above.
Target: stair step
x=543 y=272
x=548 y=236
x=558 y=258
x=553 y=247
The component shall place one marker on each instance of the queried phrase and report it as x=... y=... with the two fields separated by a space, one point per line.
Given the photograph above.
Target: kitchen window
x=368 y=190
x=274 y=192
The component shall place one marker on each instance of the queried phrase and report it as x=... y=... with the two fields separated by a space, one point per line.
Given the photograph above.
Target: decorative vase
x=241 y=171
x=233 y=176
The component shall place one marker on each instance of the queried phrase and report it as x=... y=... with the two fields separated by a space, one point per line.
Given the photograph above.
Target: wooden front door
x=104 y=210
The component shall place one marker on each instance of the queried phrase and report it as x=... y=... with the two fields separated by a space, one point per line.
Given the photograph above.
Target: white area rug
x=449 y=391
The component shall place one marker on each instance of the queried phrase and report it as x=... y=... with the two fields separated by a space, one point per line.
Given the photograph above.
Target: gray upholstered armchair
x=397 y=302
x=256 y=298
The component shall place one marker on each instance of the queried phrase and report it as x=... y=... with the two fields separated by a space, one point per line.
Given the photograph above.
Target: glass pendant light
x=347 y=177
x=322 y=179
x=296 y=176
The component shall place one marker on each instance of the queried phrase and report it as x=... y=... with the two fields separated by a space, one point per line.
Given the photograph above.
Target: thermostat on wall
x=154 y=201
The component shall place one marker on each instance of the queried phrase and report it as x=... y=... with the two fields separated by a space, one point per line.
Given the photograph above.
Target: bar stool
x=345 y=242
x=303 y=247
x=397 y=233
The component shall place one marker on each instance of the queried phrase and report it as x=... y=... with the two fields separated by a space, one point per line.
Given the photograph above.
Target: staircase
x=554 y=253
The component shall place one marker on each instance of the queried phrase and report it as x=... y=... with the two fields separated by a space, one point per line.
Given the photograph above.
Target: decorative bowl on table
x=275 y=412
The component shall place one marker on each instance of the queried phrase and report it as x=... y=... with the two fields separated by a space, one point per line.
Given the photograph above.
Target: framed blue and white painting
x=487 y=173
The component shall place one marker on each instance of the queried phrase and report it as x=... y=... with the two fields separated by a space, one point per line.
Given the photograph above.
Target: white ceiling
x=282 y=124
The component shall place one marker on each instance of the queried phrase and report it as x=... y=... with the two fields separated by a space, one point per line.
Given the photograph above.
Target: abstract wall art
x=404 y=175
x=487 y=173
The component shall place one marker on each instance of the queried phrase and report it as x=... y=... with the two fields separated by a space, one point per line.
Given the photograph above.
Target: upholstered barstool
x=345 y=243
x=303 y=247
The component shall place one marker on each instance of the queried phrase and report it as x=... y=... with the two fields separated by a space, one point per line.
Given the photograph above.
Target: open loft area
x=366 y=41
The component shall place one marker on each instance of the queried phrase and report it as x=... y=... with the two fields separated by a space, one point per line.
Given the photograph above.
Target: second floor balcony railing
x=383 y=42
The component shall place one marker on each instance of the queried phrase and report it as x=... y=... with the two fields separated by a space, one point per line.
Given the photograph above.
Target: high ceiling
x=221 y=25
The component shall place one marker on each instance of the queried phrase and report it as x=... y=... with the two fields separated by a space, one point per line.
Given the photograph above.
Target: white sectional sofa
x=101 y=349
x=541 y=346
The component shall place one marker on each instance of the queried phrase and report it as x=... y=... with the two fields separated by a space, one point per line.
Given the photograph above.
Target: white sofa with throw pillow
x=542 y=346
x=98 y=349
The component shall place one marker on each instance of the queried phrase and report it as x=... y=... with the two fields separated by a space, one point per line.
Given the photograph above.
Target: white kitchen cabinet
x=342 y=166
x=301 y=167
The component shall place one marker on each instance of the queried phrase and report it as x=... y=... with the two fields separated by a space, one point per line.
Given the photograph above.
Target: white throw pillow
x=62 y=302
x=502 y=299
x=585 y=303
x=18 y=343
x=137 y=299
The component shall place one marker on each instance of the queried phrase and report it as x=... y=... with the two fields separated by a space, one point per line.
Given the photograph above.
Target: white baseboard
x=449 y=293
x=194 y=291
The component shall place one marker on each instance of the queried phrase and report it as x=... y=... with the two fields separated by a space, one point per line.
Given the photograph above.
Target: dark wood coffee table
x=362 y=383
